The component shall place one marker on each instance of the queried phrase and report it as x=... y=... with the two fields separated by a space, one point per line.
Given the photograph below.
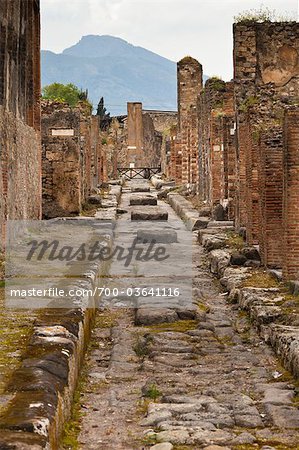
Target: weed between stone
x=181 y=326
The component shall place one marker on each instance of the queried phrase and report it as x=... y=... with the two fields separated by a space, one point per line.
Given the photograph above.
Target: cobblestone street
x=206 y=381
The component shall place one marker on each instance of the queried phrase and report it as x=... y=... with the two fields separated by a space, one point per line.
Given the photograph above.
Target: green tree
x=105 y=118
x=68 y=93
x=101 y=110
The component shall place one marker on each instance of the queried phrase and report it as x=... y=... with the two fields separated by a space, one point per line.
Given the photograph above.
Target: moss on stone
x=260 y=279
x=106 y=319
x=15 y=333
x=181 y=326
x=235 y=241
x=188 y=60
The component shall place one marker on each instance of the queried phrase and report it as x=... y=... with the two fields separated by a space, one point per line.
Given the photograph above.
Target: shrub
x=263 y=14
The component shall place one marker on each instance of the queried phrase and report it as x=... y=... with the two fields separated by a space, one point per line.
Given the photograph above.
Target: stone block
x=140 y=189
x=143 y=200
x=152 y=316
x=150 y=213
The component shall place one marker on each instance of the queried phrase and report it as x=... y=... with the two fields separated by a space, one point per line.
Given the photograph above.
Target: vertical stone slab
x=189 y=87
x=291 y=195
x=135 y=134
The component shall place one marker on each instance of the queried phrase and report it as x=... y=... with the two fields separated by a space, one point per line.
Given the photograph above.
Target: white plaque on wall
x=63 y=132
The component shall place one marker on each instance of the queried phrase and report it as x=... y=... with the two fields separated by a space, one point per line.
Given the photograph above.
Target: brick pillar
x=252 y=188
x=135 y=134
x=230 y=164
x=217 y=162
x=245 y=67
x=189 y=87
x=291 y=196
x=271 y=195
x=243 y=139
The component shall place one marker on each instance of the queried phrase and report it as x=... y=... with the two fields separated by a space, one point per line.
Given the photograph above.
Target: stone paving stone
x=204 y=383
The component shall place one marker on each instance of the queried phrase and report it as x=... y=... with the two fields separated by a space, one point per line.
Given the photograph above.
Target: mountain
x=120 y=72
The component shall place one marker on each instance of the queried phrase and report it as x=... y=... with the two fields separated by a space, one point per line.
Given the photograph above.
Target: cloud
x=172 y=28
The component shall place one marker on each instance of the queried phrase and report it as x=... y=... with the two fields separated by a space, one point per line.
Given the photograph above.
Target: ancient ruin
x=72 y=161
x=201 y=352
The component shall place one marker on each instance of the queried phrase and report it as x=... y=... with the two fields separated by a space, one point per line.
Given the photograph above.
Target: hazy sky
x=171 y=28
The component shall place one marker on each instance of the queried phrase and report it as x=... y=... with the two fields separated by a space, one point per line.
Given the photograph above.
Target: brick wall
x=265 y=82
x=20 y=147
x=72 y=158
x=271 y=198
x=217 y=144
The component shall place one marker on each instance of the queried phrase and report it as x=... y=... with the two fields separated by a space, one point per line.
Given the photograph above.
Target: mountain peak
x=112 y=68
x=97 y=46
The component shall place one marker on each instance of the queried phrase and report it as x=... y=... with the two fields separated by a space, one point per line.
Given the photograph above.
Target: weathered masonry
x=20 y=148
x=139 y=139
x=236 y=141
x=72 y=158
x=266 y=84
x=144 y=142
x=189 y=88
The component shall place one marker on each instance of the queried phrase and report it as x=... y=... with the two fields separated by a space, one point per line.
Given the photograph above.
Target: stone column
x=135 y=135
x=189 y=88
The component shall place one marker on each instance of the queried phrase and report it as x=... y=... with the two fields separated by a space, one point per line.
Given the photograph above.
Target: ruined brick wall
x=271 y=196
x=189 y=87
x=164 y=123
x=136 y=139
x=20 y=148
x=162 y=120
x=72 y=158
x=152 y=143
x=20 y=169
x=90 y=151
x=217 y=144
x=61 y=156
x=291 y=195
x=266 y=76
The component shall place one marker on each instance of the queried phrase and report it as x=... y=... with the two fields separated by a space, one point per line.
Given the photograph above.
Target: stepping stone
x=163 y=446
x=152 y=316
x=143 y=200
x=140 y=189
x=160 y=237
x=151 y=213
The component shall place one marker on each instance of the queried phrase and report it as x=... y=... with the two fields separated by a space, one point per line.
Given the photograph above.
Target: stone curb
x=44 y=384
x=262 y=304
x=186 y=212
x=158 y=183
